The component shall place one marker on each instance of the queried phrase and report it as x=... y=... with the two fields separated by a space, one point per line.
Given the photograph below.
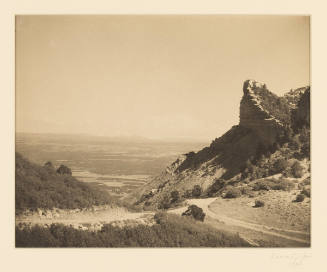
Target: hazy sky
x=151 y=76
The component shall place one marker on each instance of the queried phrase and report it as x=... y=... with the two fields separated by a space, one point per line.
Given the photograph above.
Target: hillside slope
x=44 y=187
x=271 y=129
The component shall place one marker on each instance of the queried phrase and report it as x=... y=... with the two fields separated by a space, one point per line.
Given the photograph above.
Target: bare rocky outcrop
x=253 y=115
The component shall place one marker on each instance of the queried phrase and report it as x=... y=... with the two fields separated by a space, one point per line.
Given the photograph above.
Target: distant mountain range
x=98 y=138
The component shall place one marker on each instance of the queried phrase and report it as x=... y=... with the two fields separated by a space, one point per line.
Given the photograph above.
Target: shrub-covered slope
x=44 y=187
x=169 y=231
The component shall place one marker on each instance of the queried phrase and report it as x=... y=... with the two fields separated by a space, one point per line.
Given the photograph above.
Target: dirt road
x=91 y=220
x=248 y=231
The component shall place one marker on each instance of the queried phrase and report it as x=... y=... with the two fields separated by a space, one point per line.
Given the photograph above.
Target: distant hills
x=75 y=138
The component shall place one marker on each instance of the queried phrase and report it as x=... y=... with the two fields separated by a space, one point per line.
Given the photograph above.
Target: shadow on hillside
x=230 y=151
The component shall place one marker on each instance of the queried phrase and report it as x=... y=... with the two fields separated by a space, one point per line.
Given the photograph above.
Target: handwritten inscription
x=292 y=258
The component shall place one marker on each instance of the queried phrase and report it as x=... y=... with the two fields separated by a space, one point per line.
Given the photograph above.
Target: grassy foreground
x=169 y=231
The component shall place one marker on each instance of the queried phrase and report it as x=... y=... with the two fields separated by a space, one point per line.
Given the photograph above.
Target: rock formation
x=265 y=119
x=253 y=115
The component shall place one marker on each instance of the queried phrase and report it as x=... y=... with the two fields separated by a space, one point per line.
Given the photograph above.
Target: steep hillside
x=271 y=129
x=44 y=187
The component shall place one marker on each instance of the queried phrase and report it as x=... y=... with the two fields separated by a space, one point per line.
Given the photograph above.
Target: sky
x=160 y=77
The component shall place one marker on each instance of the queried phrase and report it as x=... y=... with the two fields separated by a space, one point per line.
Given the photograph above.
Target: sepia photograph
x=162 y=131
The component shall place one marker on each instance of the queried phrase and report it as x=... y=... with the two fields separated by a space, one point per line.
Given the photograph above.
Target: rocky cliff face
x=255 y=116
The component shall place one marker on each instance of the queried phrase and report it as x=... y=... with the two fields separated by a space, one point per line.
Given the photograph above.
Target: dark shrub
x=297 y=170
x=187 y=194
x=64 y=170
x=280 y=165
x=262 y=185
x=196 y=212
x=233 y=193
x=299 y=198
x=259 y=203
x=174 y=196
x=164 y=203
x=197 y=191
x=306 y=192
x=49 y=165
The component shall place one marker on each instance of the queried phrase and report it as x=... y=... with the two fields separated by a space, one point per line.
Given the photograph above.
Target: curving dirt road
x=243 y=226
x=91 y=220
